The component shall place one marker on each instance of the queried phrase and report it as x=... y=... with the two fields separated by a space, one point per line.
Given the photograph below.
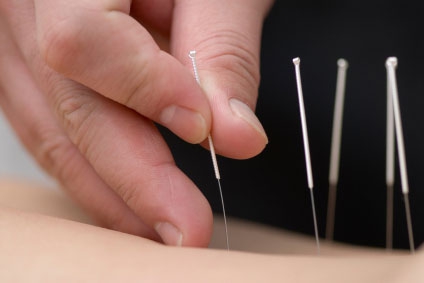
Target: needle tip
x=296 y=61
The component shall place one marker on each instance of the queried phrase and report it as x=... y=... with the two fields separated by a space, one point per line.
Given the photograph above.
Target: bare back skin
x=45 y=237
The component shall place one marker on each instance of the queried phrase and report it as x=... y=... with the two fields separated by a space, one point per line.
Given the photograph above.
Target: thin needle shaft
x=192 y=56
x=391 y=65
x=390 y=164
x=335 y=147
x=296 y=62
x=389 y=217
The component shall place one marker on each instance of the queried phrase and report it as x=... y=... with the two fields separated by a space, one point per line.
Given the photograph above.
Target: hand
x=82 y=81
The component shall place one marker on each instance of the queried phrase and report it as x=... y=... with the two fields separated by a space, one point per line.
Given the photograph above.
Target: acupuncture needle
x=333 y=177
x=390 y=165
x=391 y=65
x=192 y=55
x=296 y=62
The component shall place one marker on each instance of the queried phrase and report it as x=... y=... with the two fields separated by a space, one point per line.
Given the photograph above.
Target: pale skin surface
x=51 y=249
x=82 y=82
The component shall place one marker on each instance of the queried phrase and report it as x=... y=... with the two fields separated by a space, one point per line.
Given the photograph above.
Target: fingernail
x=188 y=124
x=244 y=112
x=169 y=233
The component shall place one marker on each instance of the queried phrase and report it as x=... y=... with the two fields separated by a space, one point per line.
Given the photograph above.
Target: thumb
x=226 y=36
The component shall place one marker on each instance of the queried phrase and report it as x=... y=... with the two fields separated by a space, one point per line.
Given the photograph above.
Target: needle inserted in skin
x=335 y=147
x=390 y=165
x=296 y=62
x=391 y=65
x=192 y=56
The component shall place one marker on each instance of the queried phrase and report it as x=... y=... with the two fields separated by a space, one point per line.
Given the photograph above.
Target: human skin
x=39 y=248
x=82 y=82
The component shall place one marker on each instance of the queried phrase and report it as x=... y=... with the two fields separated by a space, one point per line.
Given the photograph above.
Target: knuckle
x=54 y=153
x=231 y=53
x=74 y=110
x=58 y=43
x=69 y=107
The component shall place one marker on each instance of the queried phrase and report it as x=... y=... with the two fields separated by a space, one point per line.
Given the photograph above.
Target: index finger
x=97 y=44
